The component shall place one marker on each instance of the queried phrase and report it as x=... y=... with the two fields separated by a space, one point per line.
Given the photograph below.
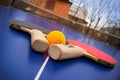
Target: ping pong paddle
x=38 y=41
x=62 y=52
x=100 y=57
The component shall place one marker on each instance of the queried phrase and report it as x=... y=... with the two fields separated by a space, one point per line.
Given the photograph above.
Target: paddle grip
x=38 y=41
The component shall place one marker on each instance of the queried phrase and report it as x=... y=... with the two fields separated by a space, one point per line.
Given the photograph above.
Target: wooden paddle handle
x=38 y=41
x=61 y=51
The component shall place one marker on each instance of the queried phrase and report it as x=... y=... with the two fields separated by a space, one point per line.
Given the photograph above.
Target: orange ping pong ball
x=56 y=37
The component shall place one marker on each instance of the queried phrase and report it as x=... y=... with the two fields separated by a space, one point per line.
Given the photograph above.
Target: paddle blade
x=102 y=56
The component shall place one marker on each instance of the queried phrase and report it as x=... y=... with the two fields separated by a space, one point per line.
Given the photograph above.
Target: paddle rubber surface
x=95 y=52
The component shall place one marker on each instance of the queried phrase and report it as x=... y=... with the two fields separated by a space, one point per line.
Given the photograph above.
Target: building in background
x=64 y=8
x=77 y=13
x=50 y=4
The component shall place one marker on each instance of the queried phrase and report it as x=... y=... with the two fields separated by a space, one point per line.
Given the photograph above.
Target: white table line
x=41 y=69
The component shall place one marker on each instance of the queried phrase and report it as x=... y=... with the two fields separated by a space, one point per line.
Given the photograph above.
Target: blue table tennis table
x=19 y=62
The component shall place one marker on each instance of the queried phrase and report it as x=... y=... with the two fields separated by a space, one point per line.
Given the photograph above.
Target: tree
x=113 y=19
x=98 y=12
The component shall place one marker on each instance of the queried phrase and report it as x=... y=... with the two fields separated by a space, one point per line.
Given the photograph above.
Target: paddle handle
x=38 y=41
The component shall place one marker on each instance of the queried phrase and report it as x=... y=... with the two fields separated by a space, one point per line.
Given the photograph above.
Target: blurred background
x=99 y=19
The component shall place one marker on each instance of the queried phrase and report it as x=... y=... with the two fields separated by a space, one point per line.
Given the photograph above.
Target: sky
x=110 y=10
